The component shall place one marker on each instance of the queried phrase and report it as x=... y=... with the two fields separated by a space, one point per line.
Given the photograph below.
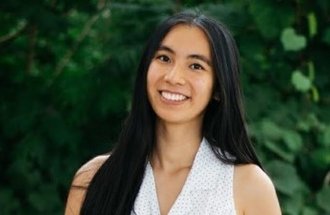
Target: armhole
x=236 y=184
x=232 y=168
x=251 y=183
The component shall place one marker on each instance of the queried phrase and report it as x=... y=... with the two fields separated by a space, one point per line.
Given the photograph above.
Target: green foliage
x=270 y=18
x=67 y=69
x=300 y=82
x=291 y=41
x=322 y=199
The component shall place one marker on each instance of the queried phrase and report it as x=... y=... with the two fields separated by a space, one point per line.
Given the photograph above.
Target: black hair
x=116 y=184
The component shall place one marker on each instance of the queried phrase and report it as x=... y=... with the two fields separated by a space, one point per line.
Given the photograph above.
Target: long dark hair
x=116 y=184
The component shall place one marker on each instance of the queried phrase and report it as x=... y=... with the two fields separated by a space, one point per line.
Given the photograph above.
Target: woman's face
x=180 y=77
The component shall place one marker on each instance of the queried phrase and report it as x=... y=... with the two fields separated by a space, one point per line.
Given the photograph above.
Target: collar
x=205 y=166
x=201 y=180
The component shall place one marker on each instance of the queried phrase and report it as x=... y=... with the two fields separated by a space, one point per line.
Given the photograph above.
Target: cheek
x=204 y=87
x=154 y=72
x=151 y=77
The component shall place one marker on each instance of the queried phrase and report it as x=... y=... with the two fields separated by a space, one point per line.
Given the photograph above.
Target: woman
x=184 y=148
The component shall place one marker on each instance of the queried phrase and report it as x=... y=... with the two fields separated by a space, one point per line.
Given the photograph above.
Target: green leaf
x=292 y=41
x=315 y=94
x=300 y=81
x=304 y=126
x=311 y=70
x=292 y=205
x=276 y=148
x=309 y=211
x=293 y=140
x=322 y=199
x=326 y=137
x=321 y=158
x=270 y=130
x=285 y=177
x=312 y=24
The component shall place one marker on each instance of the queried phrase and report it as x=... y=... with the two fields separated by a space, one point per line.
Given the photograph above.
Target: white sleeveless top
x=208 y=188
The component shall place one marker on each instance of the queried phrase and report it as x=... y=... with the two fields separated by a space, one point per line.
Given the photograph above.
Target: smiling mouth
x=173 y=96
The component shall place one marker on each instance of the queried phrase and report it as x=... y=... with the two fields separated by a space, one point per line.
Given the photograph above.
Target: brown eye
x=196 y=66
x=163 y=58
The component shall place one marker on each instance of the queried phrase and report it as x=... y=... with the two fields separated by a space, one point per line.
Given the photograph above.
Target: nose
x=175 y=75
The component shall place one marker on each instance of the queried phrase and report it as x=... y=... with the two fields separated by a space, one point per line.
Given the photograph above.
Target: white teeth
x=173 y=96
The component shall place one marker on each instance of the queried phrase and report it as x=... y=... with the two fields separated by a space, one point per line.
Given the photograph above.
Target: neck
x=176 y=146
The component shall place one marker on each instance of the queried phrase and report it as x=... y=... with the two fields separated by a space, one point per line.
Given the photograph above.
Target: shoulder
x=254 y=192
x=80 y=184
x=87 y=171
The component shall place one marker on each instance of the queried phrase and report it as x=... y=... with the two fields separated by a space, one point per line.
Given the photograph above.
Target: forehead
x=187 y=39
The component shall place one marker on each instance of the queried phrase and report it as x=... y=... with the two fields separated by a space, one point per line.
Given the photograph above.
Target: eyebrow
x=193 y=56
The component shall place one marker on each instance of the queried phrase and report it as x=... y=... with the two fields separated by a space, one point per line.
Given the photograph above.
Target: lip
x=168 y=101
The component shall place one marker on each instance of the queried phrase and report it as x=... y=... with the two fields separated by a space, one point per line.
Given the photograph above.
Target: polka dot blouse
x=208 y=188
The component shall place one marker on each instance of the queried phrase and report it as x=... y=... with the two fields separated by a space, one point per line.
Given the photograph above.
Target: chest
x=168 y=187
x=206 y=192
x=206 y=189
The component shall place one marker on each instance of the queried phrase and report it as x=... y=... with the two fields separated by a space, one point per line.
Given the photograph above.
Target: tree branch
x=86 y=29
x=21 y=26
x=32 y=38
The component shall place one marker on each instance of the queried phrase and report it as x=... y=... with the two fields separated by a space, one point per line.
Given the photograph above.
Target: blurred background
x=66 y=74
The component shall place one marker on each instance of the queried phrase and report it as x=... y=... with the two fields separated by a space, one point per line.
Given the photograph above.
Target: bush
x=66 y=80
